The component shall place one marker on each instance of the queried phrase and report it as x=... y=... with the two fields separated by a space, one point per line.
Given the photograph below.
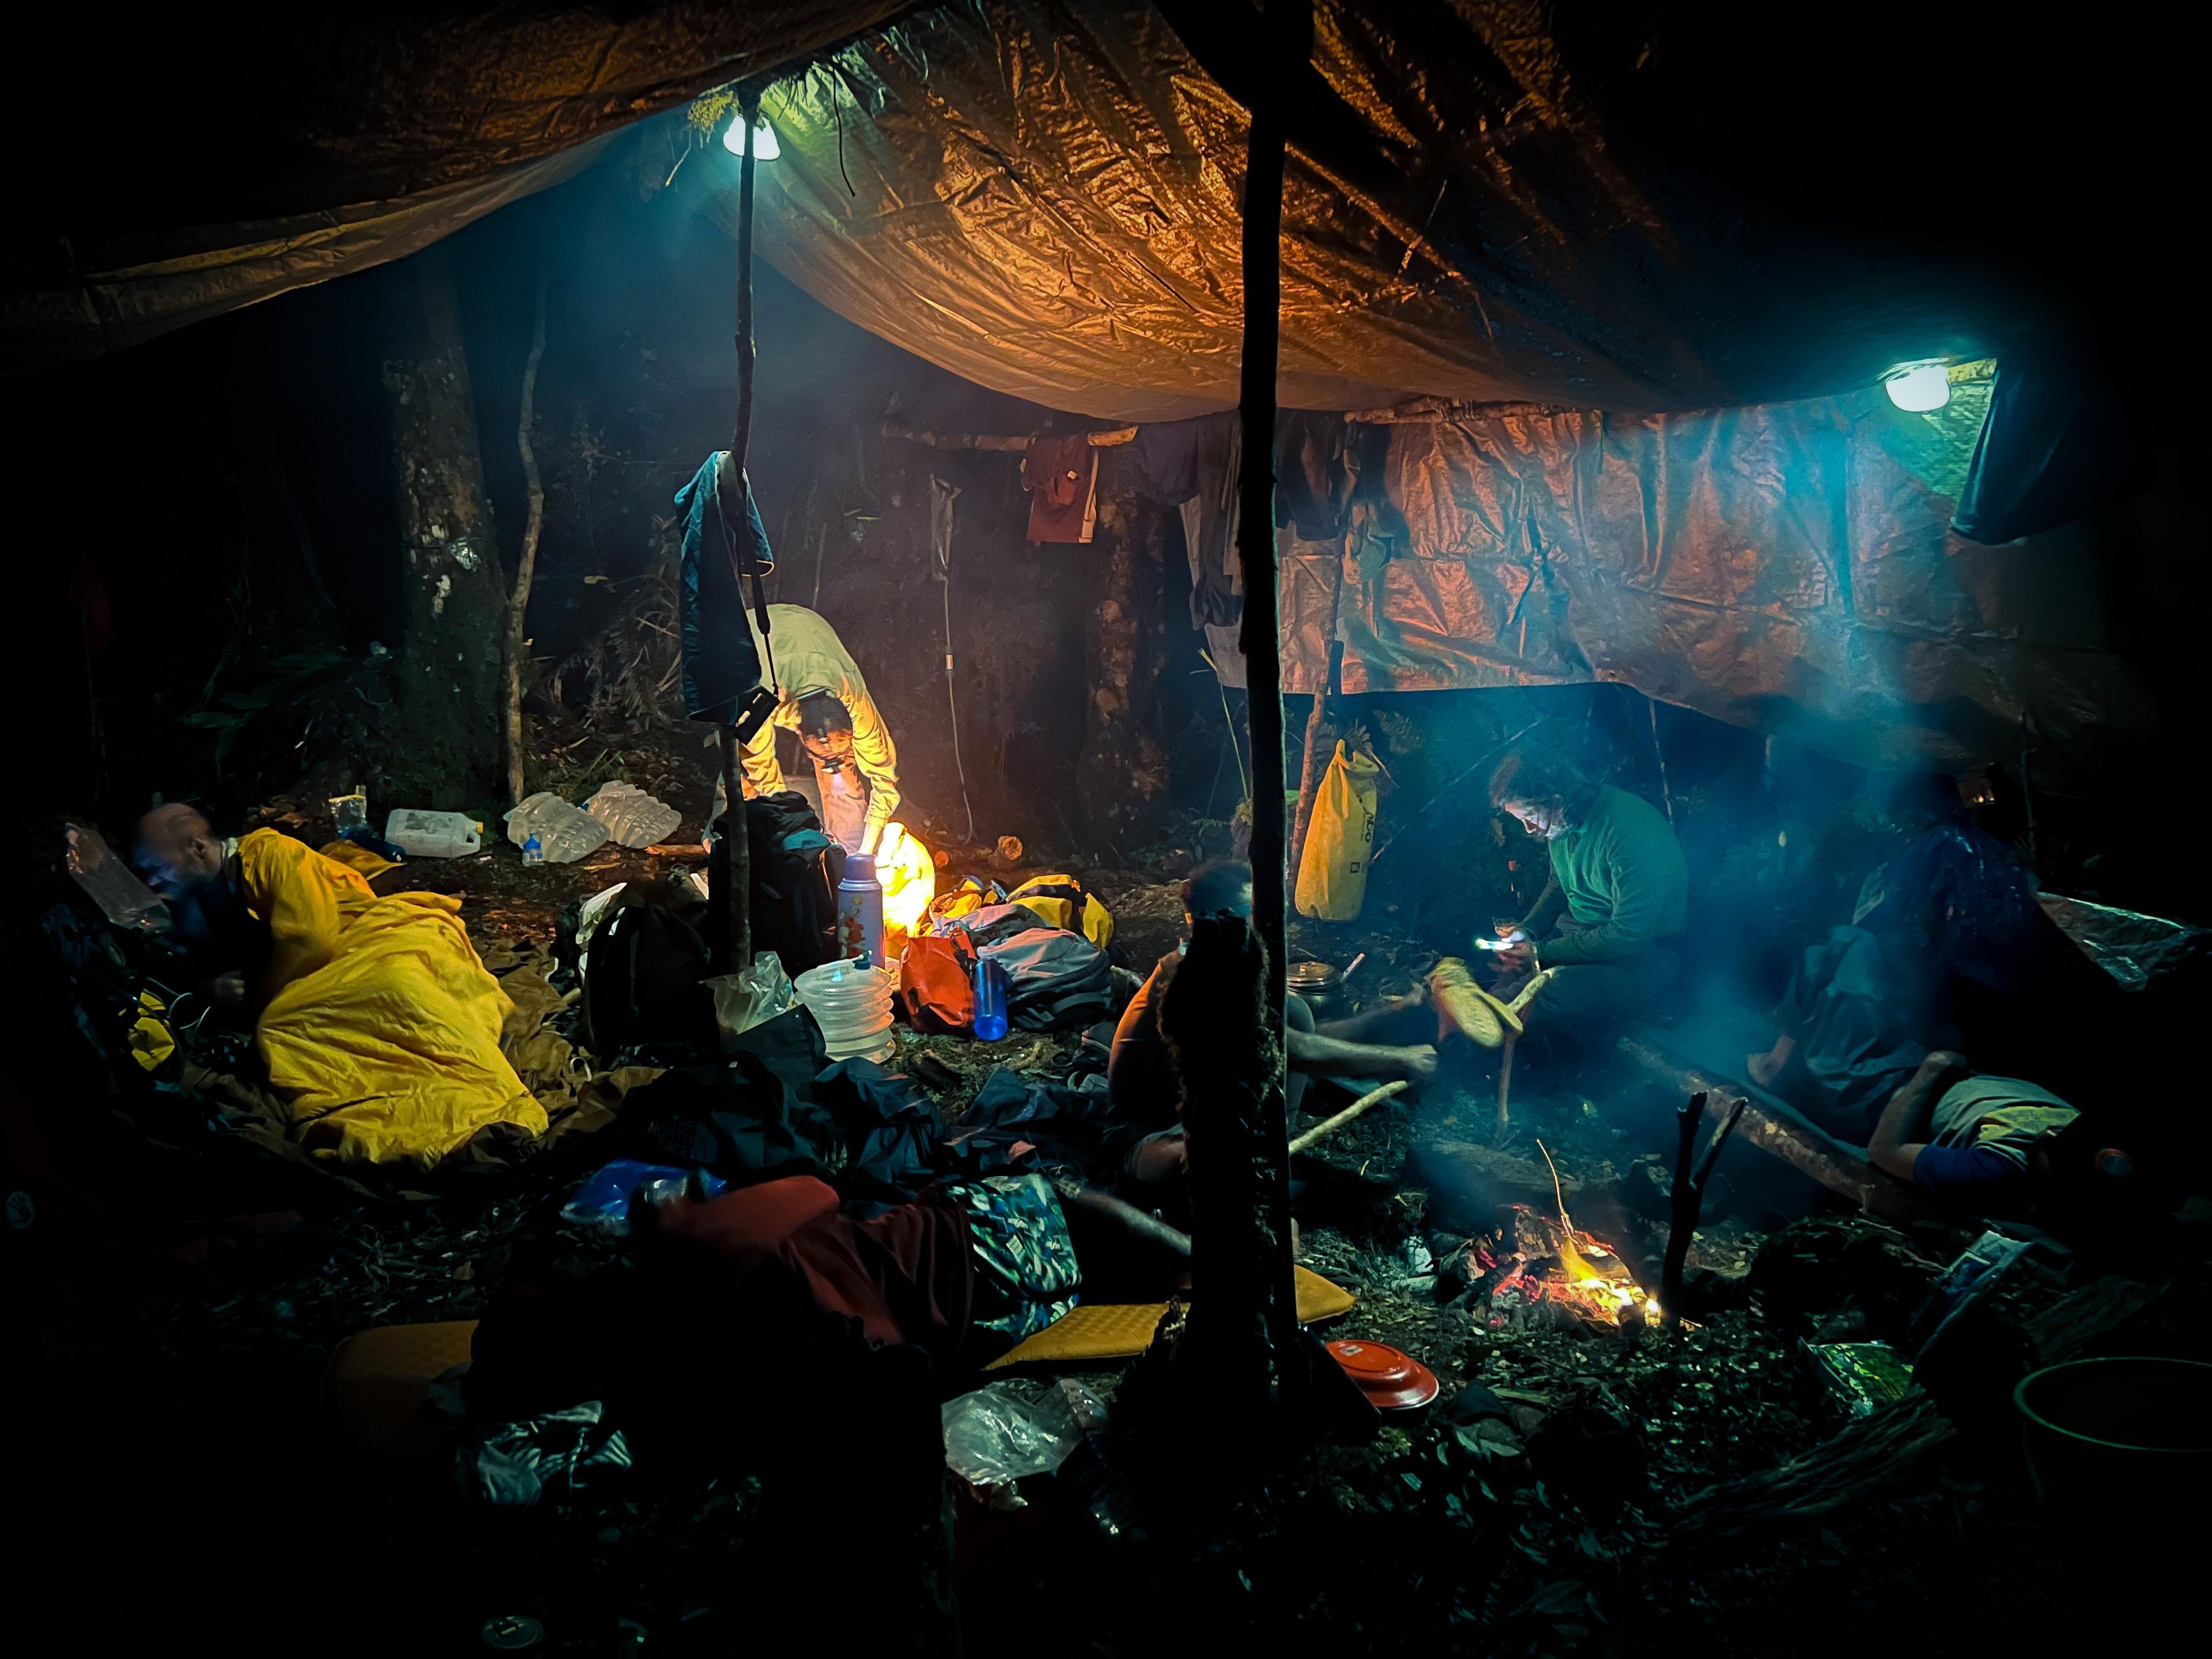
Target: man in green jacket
x=1618 y=875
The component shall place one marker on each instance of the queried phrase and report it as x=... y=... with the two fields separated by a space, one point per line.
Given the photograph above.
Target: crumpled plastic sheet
x=553 y=1455
x=1788 y=566
x=2133 y=948
x=1003 y=1433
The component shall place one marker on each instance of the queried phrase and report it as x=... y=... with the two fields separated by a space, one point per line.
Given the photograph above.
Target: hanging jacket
x=720 y=661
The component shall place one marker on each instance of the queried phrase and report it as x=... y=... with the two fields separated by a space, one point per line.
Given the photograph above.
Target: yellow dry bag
x=1333 y=874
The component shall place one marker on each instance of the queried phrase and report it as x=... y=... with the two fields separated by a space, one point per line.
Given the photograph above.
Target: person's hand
x=227 y=990
x=1942 y=1060
x=1516 y=958
x=869 y=836
x=1418 y=1064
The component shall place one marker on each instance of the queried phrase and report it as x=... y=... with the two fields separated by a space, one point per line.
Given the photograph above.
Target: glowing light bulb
x=1919 y=388
x=765 y=148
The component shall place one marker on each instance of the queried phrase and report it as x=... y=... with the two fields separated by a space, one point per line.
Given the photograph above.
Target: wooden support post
x=732 y=934
x=1286 y=48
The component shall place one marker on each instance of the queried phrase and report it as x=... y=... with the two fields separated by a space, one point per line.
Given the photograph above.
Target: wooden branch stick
x=1329 y=1126
x=1688 y=1197
x=913 y=435
x=1683 y=1220
x=1504 y=1083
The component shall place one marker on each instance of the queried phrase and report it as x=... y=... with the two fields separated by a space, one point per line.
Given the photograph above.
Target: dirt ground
x=1565 y=1522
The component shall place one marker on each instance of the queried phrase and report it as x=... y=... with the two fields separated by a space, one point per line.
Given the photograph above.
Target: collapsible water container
x=852 y=1004
x=426 y=834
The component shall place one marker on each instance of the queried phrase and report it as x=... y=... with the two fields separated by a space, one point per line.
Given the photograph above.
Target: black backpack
x=794 y=888
x=642 y=981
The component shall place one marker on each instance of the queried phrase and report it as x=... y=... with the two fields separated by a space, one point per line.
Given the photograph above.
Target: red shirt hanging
x=1061 y=475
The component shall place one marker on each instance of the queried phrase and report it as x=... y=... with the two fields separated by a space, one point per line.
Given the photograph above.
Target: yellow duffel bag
x=1065 y=903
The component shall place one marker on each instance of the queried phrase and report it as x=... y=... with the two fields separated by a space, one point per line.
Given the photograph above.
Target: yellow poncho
x=381 y=1030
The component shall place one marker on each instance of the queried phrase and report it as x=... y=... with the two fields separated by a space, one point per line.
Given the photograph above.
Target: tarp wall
x=1788 y=568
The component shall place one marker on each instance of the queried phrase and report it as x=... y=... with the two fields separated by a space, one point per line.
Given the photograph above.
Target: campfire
x=1538 y=1262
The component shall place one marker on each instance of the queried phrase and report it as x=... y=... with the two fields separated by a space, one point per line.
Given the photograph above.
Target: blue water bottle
x=990 y=999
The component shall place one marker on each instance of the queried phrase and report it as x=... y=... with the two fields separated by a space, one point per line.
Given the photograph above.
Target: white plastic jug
x=424 y=835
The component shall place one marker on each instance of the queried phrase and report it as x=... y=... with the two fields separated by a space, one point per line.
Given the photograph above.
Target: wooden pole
x=525 y=569
x=733 y=905
x=1286 y=43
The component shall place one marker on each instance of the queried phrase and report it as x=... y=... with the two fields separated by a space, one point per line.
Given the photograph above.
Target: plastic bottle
x=990 y=999
x=531 y=852
x=860 y=909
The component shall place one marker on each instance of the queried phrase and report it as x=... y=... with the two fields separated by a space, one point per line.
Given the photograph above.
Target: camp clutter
x=1055 y=978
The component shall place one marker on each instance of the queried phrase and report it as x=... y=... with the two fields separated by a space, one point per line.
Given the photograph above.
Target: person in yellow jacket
x=378 y=1021
x=821 y=695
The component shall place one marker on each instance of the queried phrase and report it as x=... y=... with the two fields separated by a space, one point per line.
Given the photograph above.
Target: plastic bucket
x=2106 y=1433
x=852 y=1006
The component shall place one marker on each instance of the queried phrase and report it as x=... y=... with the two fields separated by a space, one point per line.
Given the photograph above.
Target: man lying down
x=378 y=1021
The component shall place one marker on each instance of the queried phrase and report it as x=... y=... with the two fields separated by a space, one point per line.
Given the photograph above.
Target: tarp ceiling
x=1632 y=207
x=195 y=163
x=1617 y=207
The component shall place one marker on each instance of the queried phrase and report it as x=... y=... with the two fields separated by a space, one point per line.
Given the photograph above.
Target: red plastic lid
x=1390 y=1377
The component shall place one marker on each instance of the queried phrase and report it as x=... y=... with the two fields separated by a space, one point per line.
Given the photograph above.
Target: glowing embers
x=1538 y=1273
x=765 y=148
x=1919 y=388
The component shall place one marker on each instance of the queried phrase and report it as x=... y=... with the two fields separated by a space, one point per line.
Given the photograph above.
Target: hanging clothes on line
x=1163 y=460
x=1061 y=475
x=1209 y=534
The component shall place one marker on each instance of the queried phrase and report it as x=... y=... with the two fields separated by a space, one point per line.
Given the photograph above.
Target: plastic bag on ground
x=602 y=1203
x=633 y=818
x=752 y=996
x=559 y=1454
x=999 y=1435
x=107 y=882
x=564 y=832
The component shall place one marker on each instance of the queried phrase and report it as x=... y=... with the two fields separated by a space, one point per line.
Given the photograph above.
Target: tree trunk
x=447 y=753
x=525 y=569
x=1123 y=773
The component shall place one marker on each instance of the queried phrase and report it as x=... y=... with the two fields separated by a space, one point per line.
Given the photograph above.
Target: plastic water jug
x=861 y=910
x=852 y=1004
x=427 y=835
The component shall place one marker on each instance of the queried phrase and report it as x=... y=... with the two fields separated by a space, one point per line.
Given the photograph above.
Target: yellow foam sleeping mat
x=376 y=1381
x=1118 y=1330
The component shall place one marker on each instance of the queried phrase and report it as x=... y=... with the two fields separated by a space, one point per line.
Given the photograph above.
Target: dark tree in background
x=450 y=682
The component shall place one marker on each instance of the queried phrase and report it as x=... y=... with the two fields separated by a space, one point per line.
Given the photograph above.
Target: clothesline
x=975 y=440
